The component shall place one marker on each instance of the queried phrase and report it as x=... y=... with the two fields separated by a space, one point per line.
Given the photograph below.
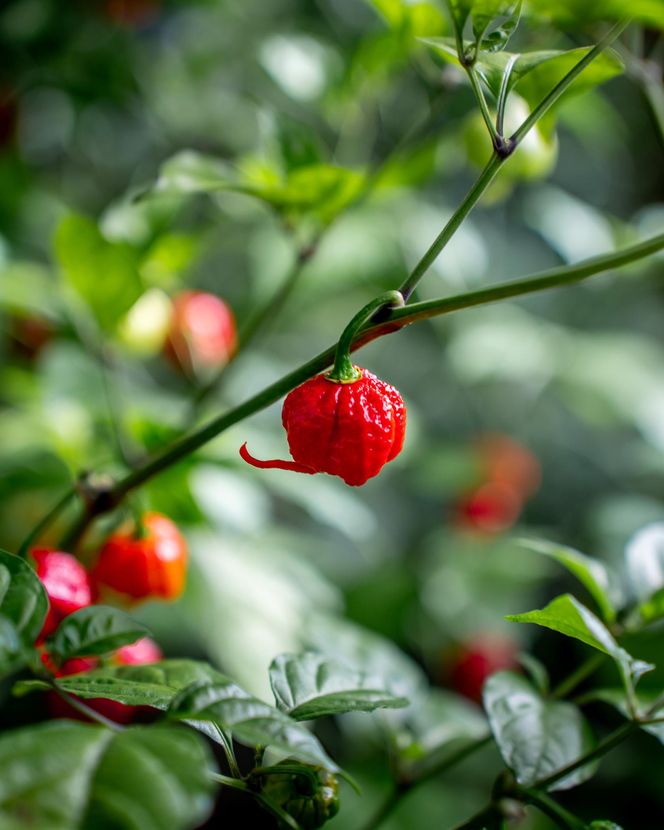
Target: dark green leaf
x=536 y=736
x=251 y=721
x=592 y=574
x=568 y=616
x=23 y=600
x=604 y=825
x=155 y=685
x=104 y=274
x=95 y=630
x=63 y=775
x=367 y=652
x=11 y=648
x=308 y=686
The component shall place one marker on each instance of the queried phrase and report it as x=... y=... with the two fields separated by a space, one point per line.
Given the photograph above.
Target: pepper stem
x=343 y=370
x=275 y=464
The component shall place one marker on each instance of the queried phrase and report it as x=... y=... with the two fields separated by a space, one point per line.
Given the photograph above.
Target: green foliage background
x=290 y=108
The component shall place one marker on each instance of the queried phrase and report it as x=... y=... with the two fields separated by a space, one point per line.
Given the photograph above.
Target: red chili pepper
x=66 y=583
x=350 y=430
x=153 y=564
x=202 y=335
x=479 y=658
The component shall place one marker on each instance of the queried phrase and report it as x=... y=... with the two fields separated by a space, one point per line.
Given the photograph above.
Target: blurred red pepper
x=66 y=583
x=150 y=563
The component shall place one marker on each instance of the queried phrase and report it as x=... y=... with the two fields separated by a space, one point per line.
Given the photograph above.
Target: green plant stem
x=343 y=370
x=472 y=198
x=503 y=95
x=46 y=522
x=481 y=100
x=404 y=787
x=480 y=821
x=396 y=319
x=257 y=323
x=563 y=818
x=538 y=790
x=493 y=166
x=614 y=739
x=570 y=683
x=227 y=781
x=563 y=85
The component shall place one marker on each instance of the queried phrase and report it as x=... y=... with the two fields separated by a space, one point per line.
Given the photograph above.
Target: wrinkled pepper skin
x=66 y=583
x=152 y=566
x=350 y=430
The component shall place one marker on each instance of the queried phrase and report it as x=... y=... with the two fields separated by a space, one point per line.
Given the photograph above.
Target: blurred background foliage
x=357 y=136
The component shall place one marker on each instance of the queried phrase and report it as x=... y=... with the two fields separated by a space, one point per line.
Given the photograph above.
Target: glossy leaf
x=568 y=616
x=439 y=726
x=252 y=722
x=368 y=652
x=536 y=736
x=308 y=686
x=70 y=776
x=591 y=573
x=155 y=685
x=23 y=600
x=104 y=274
x=95 y=630
x=494 y=22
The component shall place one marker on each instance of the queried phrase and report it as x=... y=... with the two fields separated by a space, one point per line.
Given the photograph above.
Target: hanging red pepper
x=346 y=423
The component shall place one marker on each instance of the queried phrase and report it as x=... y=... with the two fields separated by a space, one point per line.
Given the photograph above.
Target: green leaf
x=368 y=652
x=644 y=702
x=535 y=74
x=104 y=274
x=250 y=721
x=494 y=22
x=95 y=630
x=308 y=686
x=591 y=573
x=11 y=648
x=324 y=190
x=536 y=736
x=63 y=775
x=23 y=600
x=437 y=728
x=155 y=685
x=568 y=616
x=604 y=825
x=189 y=172
x=644 y=559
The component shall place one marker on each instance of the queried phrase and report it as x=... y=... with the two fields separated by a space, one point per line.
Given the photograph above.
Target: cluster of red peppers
x=148 y=563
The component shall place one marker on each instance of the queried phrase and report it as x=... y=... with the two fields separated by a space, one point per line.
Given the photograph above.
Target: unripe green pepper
x=309 y=794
